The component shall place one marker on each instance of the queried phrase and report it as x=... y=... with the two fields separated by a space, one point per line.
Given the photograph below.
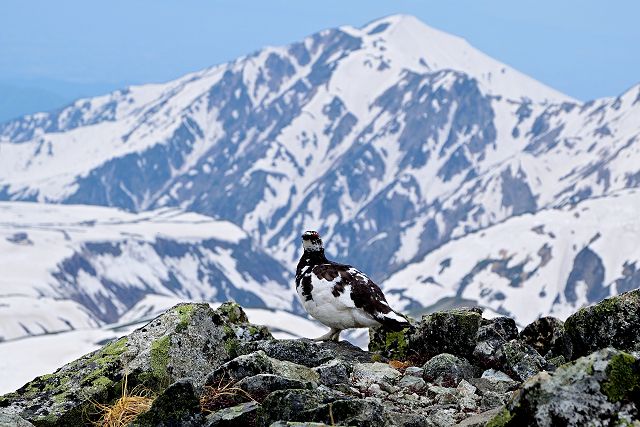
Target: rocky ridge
x=208 y=367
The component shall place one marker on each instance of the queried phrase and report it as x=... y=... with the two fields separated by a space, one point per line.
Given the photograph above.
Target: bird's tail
x=393 y=321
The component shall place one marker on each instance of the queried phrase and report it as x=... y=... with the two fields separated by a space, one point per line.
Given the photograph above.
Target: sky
x=586 y=49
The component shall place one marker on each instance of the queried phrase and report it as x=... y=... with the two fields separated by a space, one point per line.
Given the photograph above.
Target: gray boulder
x=613 y=322
x=548 y=337
x=602 y=389
x=188 y=340
x=289 y=405
x=492 y=334
x=521 y=361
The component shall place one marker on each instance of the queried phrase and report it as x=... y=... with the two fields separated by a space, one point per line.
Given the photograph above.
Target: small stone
x=290 y=404
x=412 y=383
x=365 y=374
x=444 y=395
x=468 y=403
x=259 y=363
x=243 y=414
x=376 y=391
x=334 y=372
x=496 y=375
x=521 y=361
x=354 y=412
x=443 y=418
x=415 y=371
x=478 y=420
x=491 y=400
x=465 y=387
x=261 y=385
x=447 y=369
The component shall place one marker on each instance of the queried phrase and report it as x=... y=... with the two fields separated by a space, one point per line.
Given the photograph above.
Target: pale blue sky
x=584 y=48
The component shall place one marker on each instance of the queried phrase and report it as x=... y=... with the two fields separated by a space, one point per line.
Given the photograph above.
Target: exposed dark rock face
x=613 y=322
x=212 y=368
x=548 y=337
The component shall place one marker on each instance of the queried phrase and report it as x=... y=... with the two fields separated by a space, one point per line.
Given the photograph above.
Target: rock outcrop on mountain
x=204 y=367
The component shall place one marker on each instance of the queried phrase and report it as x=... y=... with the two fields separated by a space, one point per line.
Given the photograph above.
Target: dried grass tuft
x=124 y=410
x=221 y=396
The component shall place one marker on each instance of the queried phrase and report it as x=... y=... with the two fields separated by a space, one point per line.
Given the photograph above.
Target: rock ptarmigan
x=338 y=295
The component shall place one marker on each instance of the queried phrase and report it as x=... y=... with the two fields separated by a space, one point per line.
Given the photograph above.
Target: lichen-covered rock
x=177 y=405
x=365 y=374
x=243 y=414
x=259 y=363
x=521 y=361
x=289 y=405
x=306 y=352
x=298 y=424
x=447 y=370
x=368 y=412
x=613 y=322
x=261 y=385
x=548 y=337
x=414 y=384
x=334 y=372
x=453 y=331
x=188 y=340
x=602 y=389
x=13 y=421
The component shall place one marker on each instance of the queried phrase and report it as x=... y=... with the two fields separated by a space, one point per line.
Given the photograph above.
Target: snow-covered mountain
x=553 y=262
x=396 y=141
x=73 y=267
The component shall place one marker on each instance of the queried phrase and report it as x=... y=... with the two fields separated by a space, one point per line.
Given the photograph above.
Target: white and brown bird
x=338 y=295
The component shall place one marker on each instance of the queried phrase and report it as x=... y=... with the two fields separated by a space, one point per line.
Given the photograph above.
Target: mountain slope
x=548 y=263
x=263 y=139
x=70 y=267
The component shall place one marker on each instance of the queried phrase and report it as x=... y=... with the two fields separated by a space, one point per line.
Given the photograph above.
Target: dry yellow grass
x=220 y=396
x=126 y=408
x=399 y=365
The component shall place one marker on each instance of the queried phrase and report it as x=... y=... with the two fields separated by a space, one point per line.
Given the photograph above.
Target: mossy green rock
x=613 y=322
x=188 y=340
x=390 y=344
x=602 y=389
x=452 y=331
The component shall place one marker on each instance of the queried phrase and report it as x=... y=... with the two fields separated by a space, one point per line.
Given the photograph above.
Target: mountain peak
x=422 y=48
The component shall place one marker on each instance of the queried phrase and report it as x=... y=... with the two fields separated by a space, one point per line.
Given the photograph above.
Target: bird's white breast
x=334 y=311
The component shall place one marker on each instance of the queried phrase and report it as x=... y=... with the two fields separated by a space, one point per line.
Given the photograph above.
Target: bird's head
x=311 y=241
